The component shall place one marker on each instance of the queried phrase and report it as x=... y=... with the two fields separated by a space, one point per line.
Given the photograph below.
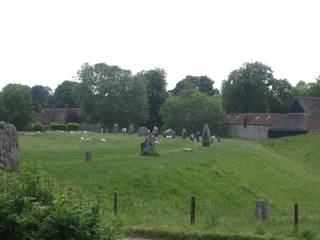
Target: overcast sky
x=46 y=41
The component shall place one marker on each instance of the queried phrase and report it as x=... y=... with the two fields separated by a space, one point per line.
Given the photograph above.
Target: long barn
x=303 y=117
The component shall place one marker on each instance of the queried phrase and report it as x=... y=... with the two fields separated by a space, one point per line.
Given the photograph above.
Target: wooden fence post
x=88 y=156
x=296 y=215
x=193 y=210
x=115 y=203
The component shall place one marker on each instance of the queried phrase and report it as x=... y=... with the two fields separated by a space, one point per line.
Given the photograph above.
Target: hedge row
x=55 y=126
x=166 y=235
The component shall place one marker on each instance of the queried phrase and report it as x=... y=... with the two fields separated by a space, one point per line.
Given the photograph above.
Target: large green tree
x=191 y=110
x=156 y=89
x=313 y=88
x=280 y=96
x=300 y=89
x=17 y=106
x=40 y=96
x=109 y=94
x=246 y=88
x=202 y=84
x=66 y=94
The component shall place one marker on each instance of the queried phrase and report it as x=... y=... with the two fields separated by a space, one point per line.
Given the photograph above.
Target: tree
x=65 y=95
x=202 y=84
x=313 y=89
x=280 y=96
x=191 y=110
x=16 y=105
x=246 y=88
x=40 y=96
x=109 y=94
x=156 y=89
x=300 y=89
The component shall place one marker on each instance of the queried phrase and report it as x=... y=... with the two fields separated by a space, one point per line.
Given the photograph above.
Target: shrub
x=37 y=127
x=72 y=127
x=31 y=208
x=58 y=126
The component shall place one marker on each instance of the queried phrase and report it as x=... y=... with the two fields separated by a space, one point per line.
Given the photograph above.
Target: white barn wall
x=250 y=132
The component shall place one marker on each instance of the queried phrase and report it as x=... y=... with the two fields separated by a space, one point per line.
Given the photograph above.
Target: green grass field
x=226 y=179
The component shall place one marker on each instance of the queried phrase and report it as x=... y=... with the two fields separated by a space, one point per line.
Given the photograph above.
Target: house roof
x=304 y=114
x=263 y=119
x=310 y=105
x=291 y=122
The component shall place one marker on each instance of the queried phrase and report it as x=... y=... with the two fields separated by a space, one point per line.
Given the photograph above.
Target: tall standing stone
x=142 y=131
x=147 y=147
x=184 y=133
x=131 y=128
x=115 y=128
x=206 y=136
x=9 y=148
x=155 y=131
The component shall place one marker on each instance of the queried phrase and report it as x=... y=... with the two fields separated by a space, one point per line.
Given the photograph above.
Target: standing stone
x=9 y=148
x=88 y=156
x=184 y=133
x=147 y=147
x=131 y=129
x=142 y=131
x=261 y=209
x=167 y=132
x=206 y=136
x=155 y=131
x=115 y=128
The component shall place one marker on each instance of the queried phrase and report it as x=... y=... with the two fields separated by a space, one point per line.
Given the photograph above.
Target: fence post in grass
x=115 y=203
x=88 y=156
x=296 y=216
x=193 y=210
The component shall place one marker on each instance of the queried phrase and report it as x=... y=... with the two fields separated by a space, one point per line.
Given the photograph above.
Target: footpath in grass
x=226 y=179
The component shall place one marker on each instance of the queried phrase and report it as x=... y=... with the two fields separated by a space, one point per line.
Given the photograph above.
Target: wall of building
x=250 y=132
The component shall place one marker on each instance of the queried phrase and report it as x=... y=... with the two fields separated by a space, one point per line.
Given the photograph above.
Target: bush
x=37 y=127
x=31 y=208
x=73 y=127
x=58 y=126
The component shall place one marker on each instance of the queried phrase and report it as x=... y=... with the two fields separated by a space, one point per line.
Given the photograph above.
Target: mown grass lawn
x=226 y=179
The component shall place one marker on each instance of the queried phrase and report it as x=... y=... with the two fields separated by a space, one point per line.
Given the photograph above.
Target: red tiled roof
x=263 y=119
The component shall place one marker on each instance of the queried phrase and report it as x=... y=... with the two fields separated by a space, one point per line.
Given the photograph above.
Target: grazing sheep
x=103 y=140
x=82 y=139
x=157 y=142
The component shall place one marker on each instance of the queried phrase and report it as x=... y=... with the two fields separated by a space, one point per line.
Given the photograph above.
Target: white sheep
x=103 y=140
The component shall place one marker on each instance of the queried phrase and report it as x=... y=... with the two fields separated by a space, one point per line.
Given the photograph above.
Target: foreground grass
x=226 y=179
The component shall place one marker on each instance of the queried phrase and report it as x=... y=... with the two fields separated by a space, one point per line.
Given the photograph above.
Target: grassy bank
x=226 y=179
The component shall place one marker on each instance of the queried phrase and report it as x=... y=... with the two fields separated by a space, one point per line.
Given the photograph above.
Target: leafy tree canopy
x=16 y=105
x=191 y=110
x=65 y=95
x=202 y=84
x=156 y=89
x=40 y=96
x=109 y=94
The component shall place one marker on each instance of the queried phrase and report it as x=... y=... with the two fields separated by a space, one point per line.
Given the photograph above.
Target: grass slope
x=226 y=179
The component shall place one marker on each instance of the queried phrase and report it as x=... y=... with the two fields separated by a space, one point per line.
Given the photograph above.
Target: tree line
x=109 y=94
